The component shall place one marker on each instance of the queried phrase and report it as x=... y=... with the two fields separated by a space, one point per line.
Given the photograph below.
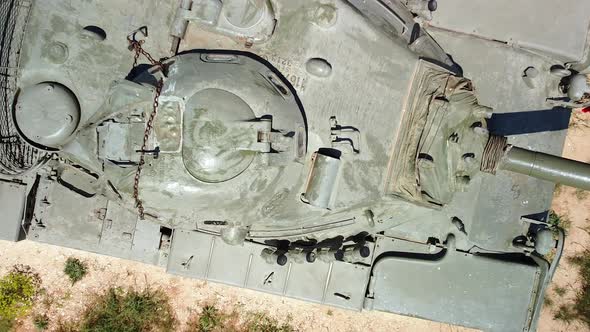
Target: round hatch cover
x=212 y=135
x=47 y=114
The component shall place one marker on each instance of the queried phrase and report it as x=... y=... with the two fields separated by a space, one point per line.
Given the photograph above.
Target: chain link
x=137 y=47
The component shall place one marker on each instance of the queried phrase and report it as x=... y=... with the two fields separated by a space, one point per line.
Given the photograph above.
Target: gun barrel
x=547 y=167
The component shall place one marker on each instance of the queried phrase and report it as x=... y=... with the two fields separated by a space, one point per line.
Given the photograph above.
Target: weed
x=211 y=319
x=560 y=290
x=581 y=194
x=558 y=189
x=66 y=296
x=62 y=326
x=562 y=221
x=261 y=322
x=330 y=312
x=550 y=255
x=75 y=269
x=129 y=310
x=47 y=301
x=548 y=301
x=565 y=313
x=41 y=322
x=18 y=290
x=578 y=120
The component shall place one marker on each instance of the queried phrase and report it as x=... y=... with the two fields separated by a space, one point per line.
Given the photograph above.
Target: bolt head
x=282 y=259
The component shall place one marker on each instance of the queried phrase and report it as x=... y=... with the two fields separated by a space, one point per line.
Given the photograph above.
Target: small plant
x=550 y=255
x=129 y=310
x=548 y=301
x=41 y=322
x=261 y=322
x=75 y=269
x=18 y=290
x=565 y=313
x=66 y=296
x=62 y=326
x=210 y=319
x=330 y=312
x=559 y=220
x=560 y=290
x=581 y=194
x=558 y=189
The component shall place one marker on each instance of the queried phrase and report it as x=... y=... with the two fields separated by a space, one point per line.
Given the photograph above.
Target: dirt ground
x=64 y=301
x=574 y=205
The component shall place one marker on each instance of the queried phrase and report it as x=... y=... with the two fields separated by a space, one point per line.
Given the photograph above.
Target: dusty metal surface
x=454 y=281
x=522 y=26
x=322 y=150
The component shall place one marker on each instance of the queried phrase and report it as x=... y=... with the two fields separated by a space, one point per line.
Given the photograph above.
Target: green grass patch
x=124 y=310
x=130 y=310
x=18 y=291
x=75 y=269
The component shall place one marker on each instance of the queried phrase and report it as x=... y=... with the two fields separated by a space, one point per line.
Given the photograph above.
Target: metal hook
x=131 y=37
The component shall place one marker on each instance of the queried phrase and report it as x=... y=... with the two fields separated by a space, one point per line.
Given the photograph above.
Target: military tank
x=385 y=155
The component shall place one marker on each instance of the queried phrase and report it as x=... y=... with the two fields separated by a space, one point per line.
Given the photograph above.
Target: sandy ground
x=575 y=205
x=64 y=301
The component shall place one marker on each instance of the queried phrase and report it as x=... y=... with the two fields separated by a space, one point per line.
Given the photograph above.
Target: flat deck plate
x=559 y=28
x=205 y=256
x=459 y=289
x=12 y=205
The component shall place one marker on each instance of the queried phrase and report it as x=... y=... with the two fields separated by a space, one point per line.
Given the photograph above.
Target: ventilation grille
x=16 y=156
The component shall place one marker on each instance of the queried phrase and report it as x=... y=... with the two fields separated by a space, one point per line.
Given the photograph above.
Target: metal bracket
x=347 y=136
x=260 y=133
x=155 y=152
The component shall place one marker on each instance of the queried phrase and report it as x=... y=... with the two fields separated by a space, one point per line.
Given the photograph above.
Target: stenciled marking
x=292 y=70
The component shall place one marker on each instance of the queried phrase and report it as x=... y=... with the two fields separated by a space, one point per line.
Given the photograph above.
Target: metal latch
x=257 y=135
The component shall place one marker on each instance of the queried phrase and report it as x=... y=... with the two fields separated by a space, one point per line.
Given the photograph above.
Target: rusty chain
x=136 y=46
